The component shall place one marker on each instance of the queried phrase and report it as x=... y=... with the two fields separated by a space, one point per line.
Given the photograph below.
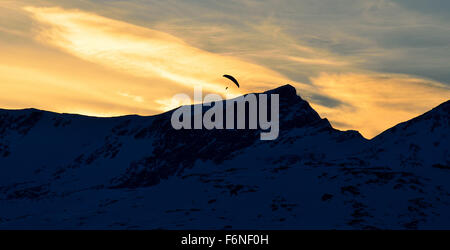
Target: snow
x=60 y=171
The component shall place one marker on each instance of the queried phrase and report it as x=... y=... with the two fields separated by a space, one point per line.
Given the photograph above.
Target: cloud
x=62 y=84
x=135 y=98
x=314 y=61
x=431 y=7
x=371 y=103
x=143 y=52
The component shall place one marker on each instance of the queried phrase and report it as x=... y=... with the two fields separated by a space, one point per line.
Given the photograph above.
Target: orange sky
x=78 y=61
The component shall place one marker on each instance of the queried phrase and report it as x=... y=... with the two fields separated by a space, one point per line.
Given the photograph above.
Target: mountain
x=422 y=141
x=62 y=171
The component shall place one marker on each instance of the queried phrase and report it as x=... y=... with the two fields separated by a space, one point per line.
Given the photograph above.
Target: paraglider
x=232 y=79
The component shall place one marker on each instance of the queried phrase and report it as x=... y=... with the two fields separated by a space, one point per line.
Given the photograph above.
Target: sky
x=362 y=64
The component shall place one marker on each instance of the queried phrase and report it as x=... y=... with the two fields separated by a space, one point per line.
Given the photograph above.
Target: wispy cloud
x=315 y=61
x=143 y=52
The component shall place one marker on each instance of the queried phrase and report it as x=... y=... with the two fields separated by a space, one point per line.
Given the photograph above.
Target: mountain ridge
x=286 y=90
x=71 y=171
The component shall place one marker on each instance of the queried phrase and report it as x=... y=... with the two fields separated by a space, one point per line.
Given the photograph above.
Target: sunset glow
x=71 y=59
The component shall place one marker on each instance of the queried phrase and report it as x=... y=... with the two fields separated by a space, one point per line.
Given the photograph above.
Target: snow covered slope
x=70 y=171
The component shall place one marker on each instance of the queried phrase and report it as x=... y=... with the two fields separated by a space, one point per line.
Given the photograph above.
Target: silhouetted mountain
x=72 y=171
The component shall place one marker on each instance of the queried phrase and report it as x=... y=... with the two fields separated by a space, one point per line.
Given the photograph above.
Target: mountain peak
x=284 y=91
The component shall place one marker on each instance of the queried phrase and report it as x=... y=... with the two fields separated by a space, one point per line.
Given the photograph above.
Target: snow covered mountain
x=69 y=171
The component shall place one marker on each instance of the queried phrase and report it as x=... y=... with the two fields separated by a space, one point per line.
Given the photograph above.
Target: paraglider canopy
x=232 y=79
